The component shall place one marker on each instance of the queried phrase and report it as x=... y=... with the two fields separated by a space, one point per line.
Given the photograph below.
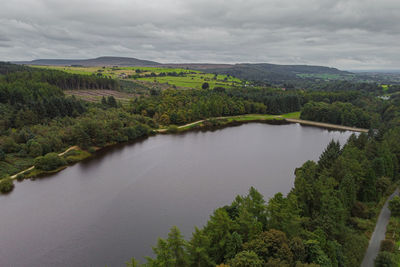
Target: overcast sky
x=348 y=34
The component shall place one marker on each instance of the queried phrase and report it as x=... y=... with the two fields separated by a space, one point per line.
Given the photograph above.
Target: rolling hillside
x=100 y=61
x=264 y=72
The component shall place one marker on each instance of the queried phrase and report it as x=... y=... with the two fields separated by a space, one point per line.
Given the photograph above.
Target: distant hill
x=274 y=73
x=100 y=61
x=262 y=72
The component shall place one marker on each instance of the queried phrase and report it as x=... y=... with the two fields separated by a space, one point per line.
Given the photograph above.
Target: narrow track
x=378 y=235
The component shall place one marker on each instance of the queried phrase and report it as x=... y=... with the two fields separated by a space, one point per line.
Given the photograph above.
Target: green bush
x=35 y=149
x=9 y=145
x=394 y=206
x=49 y=162
x=172 y=129
x=6 y=185
x=205 y=85
x=75 y=156
x=246 y=259
x=385 y=259
x=388 y=245
x=20 y=177
x=2 y=155
x=360 y=210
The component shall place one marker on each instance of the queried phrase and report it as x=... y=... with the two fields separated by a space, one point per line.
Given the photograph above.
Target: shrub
x=35 y=149
x=360 y=210
x=219 y=89
x=388 y=245
x=49 y=162
x=394 y=206
x=20 y=177
x=246 y=259
x=385 y=259
x=6 y=185
x=76 y=155
x=9 y=145
x=2 y=155
x=172 y=129
x=382 y=184
x=301 y=264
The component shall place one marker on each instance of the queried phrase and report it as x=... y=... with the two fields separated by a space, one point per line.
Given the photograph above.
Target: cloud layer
x=349 y=34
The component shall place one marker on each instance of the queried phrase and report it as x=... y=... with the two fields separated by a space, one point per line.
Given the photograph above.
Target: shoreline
x=210 y=124
x=327 y=125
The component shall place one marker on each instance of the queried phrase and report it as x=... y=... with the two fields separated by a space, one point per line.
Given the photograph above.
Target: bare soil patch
x=96 y=95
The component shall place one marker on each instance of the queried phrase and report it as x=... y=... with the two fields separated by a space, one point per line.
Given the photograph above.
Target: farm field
x=173 y=77
x=196 y=80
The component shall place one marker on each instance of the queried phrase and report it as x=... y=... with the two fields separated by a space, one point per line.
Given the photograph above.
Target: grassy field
x=196 y=80
x=292 y=115
x=186 y=78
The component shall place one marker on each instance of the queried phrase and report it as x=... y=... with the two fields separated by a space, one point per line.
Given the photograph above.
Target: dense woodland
x=36 y=117
x=179 y=107
x=336 y=113
x=321 y=222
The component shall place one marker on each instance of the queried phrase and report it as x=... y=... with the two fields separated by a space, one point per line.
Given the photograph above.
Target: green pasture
x=190 y=79
x=195 y=80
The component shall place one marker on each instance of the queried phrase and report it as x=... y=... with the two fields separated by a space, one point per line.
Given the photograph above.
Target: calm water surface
x=114 y=206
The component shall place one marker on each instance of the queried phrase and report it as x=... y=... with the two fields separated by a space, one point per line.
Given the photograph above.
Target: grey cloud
x=341 y=33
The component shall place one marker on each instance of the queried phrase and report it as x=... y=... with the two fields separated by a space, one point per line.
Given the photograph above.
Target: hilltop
x=100 y=61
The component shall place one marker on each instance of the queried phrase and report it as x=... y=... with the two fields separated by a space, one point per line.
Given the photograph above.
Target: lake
x=113 y=206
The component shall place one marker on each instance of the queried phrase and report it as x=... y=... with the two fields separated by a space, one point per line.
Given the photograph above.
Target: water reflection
x=114 y=206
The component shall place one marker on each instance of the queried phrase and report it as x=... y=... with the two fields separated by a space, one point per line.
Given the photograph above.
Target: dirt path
x=328 y=125
x=32 y=167
x=378 y=235
x=69 y=149
x=182 y=126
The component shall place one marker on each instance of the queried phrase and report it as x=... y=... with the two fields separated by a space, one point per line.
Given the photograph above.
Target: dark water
x=112 y=207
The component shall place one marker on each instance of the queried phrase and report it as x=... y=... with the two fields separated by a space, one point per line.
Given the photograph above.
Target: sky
x=347 y=34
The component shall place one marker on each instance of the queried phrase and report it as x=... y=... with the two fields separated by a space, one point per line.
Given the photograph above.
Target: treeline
x=96 y=127
x=321 y=222
x=27 y=102
x=6 y=68
x=276 y=101
x=351 y=108
x=343 y=86
x=183 y=106
x=336 y=113
x=330 y=97
x=63 y=80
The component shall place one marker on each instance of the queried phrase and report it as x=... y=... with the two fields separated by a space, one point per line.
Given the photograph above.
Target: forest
x=323 y=221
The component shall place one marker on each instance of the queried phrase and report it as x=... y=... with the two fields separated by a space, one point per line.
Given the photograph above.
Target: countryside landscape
x=173 y=134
